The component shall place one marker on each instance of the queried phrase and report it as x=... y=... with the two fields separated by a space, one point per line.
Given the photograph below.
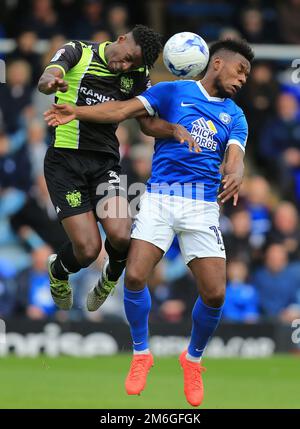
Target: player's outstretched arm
x=233 y=171
x=52 y=81
x=108 y=112
x=159 y=128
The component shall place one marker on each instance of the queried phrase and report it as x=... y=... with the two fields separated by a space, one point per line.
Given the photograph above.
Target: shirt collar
x=206 y=94
x=102 y=47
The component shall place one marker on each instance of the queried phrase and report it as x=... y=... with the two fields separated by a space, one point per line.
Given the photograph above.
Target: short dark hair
x=149 y=41
x=239 y=46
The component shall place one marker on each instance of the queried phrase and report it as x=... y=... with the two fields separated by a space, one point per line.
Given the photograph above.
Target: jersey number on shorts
x=115 y=177
x=217 y=231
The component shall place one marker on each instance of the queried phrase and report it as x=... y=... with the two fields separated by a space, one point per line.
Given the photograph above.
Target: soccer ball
x=186 y=54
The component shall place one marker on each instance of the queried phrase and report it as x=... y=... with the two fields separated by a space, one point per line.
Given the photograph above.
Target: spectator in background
x=36 y=222
x=15 y=168
x=15 y=182
x=101 y=36
x=24 y=50
x=171 y=300
x=252 y=25
x=33 y=294
x=15 y=96
x=257 y=98
x=286 y=229
x=141 y=157
x=43 y=19
x=55 y=43
x=137 y=165
x=11 y=251
x=69 y=13
x=258 y=202
x=289 y=18
x=90 y=22
x=124 y=139
x=2 y=31
x=117 y=18
x=289 y=79
x=277 y=283
x=241 y=302
x=37 y=147
x=178 y=306
x=280 y=144
x=7 y=288
x=229 y=33
x=237 y=241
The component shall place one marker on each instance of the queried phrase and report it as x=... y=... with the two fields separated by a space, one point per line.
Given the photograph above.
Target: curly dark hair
x=238 y=46
x=149 y=41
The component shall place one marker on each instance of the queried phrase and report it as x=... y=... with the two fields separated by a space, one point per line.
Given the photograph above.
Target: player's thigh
x=83 y=232
x=152 y=235
x=206 y=259
x=210 y=275
x=203 y=251
x=142 y=258
x=114 y=216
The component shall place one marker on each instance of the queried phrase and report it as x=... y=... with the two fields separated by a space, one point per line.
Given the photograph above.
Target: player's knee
x=214 y=298
x=120 y=240
x=134 y=280
x=87 y=252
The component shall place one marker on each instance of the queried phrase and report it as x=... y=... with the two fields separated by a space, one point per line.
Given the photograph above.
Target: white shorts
x=195 y=222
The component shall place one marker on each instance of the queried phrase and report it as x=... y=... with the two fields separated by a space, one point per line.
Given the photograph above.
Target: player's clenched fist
x=58 y=84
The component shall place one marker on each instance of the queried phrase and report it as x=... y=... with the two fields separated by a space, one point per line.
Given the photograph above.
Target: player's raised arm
x=157 y=100
x=233 y=171
x=52 y=81
x=159 y=128
x=108 y=112
x=118 y=111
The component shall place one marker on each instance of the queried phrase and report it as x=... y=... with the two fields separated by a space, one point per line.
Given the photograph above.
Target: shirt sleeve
x=157 y=98
x=66 y=57
x=239 y=132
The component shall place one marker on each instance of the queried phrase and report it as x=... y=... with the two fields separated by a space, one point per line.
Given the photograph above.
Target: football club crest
x=225 y=118
x=74 y=198
x=126 y=84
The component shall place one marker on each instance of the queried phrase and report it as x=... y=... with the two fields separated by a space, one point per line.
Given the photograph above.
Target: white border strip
x=147 y=105
x=234 y=141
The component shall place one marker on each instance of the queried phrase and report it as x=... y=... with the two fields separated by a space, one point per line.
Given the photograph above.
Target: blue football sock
x=205 y=321
x=137 y=307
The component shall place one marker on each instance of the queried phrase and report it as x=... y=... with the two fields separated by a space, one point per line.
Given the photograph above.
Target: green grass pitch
x=67 y=382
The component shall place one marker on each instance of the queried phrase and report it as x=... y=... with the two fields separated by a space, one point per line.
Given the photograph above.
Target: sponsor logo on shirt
x=203 y=133
x=93 y=97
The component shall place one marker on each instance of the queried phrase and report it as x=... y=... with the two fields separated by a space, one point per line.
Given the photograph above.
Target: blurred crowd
x=261 y=235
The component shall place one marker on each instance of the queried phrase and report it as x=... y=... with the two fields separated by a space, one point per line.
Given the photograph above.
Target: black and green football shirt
x=90 y=82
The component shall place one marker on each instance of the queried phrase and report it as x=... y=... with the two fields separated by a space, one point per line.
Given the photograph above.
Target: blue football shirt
x=213 y=122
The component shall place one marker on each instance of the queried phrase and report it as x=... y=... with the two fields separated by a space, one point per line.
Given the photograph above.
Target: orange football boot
x=193 y=385
x=137 y=376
